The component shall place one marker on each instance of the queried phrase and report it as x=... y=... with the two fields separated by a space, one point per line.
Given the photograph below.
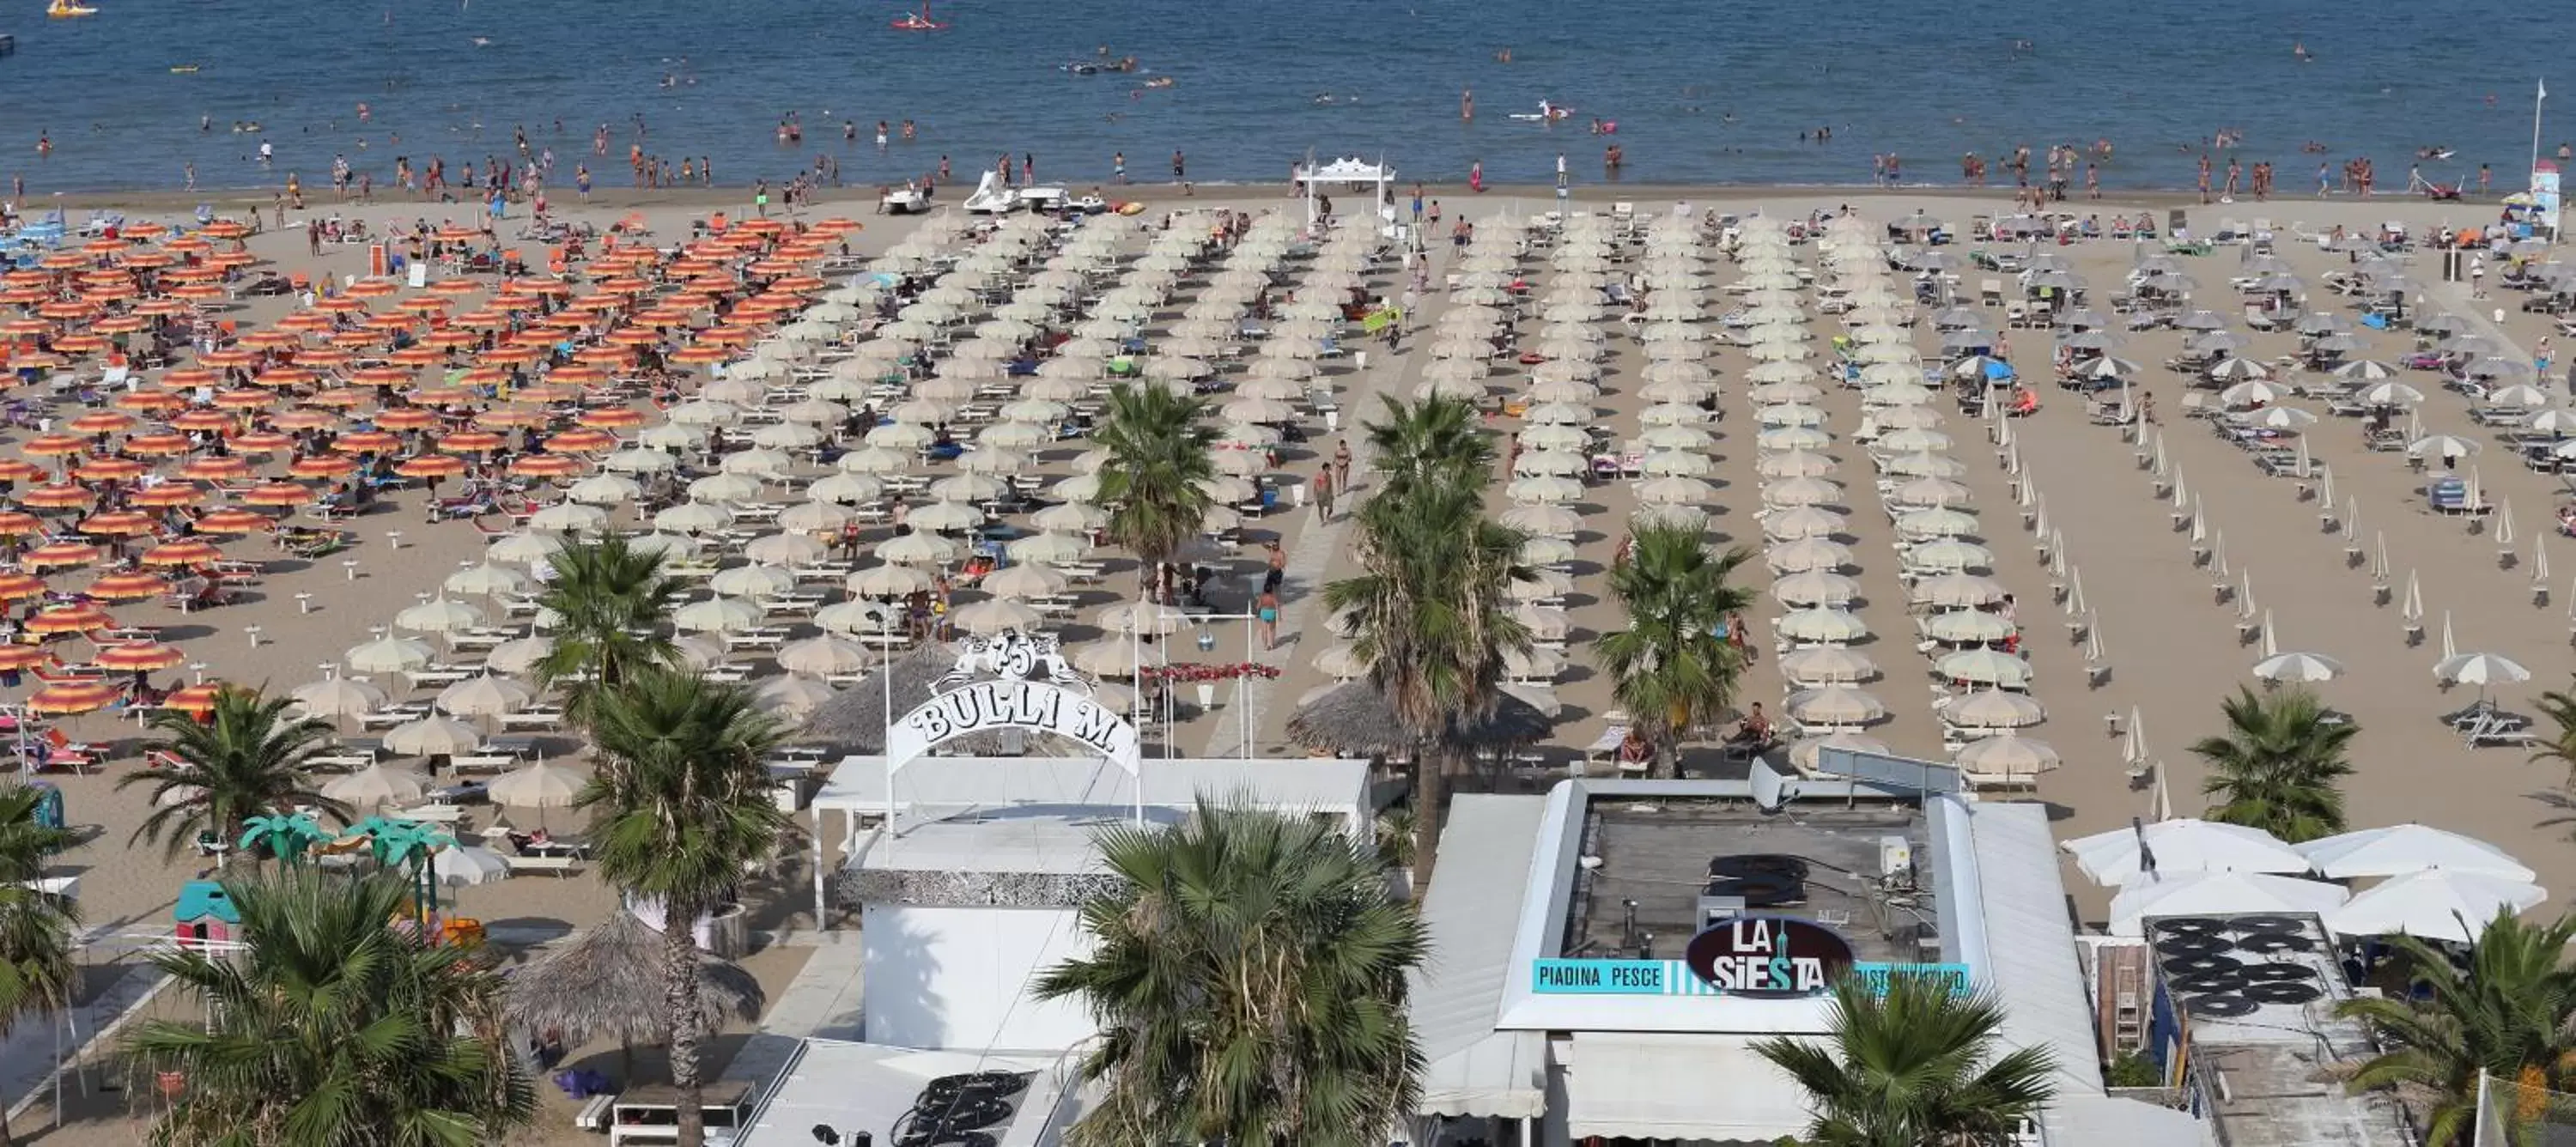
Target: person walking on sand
x=2477 y=276
x=1342 y=464
x=1324 y=494
x=1269 y=614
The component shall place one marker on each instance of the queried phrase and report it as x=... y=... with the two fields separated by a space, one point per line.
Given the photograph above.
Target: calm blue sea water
x=1929 y=79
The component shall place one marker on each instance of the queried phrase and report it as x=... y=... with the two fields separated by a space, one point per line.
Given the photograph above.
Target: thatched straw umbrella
x=854 y=720
x=1357 y=720
x=607 y=981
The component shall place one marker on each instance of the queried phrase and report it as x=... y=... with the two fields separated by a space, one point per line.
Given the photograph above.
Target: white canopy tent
x=1378 y=177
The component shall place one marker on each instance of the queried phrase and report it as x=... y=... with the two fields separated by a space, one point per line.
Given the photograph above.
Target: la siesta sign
x=998 y=704
x=1768 y=957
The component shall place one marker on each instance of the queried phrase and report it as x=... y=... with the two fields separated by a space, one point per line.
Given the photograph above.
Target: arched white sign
x=1010 y=704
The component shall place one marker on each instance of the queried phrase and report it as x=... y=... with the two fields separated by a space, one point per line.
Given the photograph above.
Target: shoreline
x=1166 y=192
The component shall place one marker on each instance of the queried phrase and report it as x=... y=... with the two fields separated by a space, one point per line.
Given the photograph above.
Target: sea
x=1699 y=91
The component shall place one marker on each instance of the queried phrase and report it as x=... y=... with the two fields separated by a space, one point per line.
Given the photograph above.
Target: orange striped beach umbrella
x=548 y=466
x=226 y=358
x=59 y=555
x=338 y=398
x=276 y=494
x=134 y=586
x=148 y=400
x=144 y=655
x=198 y=699
x=373 y=288
x=15 y=586
x=184 y=552
x=368 y=441
x=406 y=418
x=19 y=524
x=584 y=440
x=431 y=466
x=101 y=422
x=118 y=523
x=321 y=466
x=234 y=520
x=58 y=496
x=612 y=418
x=204 y=419
x=271 y=338
x=163 y=308
x=100 y=469
x=189 y=378
x=54 y=445
x=24 y=656
x=67 y=697
x=417 y=356
x=261 y=442
x=169 y=494
x=69 y=617
x=305 y=419
x=212 y=469
x=244 y=398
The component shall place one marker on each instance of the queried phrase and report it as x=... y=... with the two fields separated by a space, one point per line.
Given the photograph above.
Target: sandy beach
x=2173 y=648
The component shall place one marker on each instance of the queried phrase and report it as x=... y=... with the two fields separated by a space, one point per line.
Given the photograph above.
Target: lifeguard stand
x=205 y=915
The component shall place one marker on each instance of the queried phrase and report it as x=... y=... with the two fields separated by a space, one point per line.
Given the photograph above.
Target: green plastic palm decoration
x=288 y=835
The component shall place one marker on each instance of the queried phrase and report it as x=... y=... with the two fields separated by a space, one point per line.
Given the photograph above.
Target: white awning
x=1643 y=1086
x=1484 y=872
x=2028 y=957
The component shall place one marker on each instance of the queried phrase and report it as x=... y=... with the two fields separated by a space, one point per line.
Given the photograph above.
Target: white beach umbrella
x=1806 y=554
x=433 y=736
x=605 y=490
x=995 y=615
x=526 y=546
x=717 y=615
x=753 y=581
x=2009 y=755
x=2177 y=846
x=518 y=655
x=1803 y=522
x=1985 y=667
x=1806 y=753
x=1994 y=709
x=2398 y=850
x=390 y=655
x=2433 y=905
x=824 y=656
x=1544 y=521
x=888 y=581
x=1836 y=705
x=1815 y=587
x=456 y=865
x=918 y=548
x=541 y=785
x=484 y=579
x=1958 y=590
x=1827 y=664
x=439 y=615
x=484 y=695
x=2182 y=893
x=2480 y=669
x=1794 y=464
x=336 y=697
x=792 y=696
x=1823 y=624
x=2306 y=668
x=787 y=550
x=570 y=517
x=376 y=786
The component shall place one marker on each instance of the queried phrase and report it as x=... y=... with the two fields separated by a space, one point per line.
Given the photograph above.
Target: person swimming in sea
x=2299 y=48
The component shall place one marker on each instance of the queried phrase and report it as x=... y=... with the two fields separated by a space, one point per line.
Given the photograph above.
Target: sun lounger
x=561 y=866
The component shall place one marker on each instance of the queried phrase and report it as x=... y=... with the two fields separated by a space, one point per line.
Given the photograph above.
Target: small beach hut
x=205 y=914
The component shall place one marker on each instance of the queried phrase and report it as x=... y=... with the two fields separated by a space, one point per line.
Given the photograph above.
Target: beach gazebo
x=607 y=981
x=1377 y=178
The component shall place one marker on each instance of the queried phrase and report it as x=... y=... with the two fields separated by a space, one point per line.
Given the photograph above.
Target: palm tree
x=1432 y=620
x=614 y=605
x=2277 y=765
x=1915 y=1066
x=1156 y=482
x=2507 y=1015
x=679 y=804
x=333 y=1024
x=2560 y=708
x=246 y=758
x=1439 y=441
x=1249 y=979
x=36 y=970
x=1672 y=668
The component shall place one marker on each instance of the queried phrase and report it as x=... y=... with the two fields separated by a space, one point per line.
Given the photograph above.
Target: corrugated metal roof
x=2029 y=942
x=1472 y=910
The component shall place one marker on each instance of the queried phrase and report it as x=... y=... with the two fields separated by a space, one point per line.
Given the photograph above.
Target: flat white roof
x=2023 y=943
x=1470 y=1068
x=868 y=1087
x=1052 y=839
x=940 y=786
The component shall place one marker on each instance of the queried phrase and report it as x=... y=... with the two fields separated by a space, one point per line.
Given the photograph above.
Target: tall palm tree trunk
x=1430 y=783
x=680 y=993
